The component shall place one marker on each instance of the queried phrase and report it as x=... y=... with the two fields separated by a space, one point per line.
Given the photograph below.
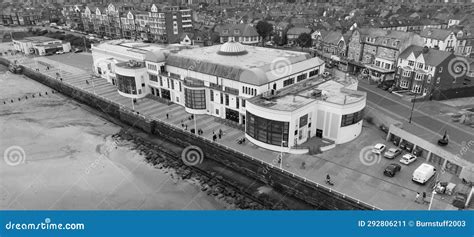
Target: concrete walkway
x=343 y=163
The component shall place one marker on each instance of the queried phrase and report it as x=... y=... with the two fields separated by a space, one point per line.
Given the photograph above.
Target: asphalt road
x=377 y=97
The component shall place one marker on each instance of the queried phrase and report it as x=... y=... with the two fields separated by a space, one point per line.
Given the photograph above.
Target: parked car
x=392 y=152
x=59 y=52
x=408 y=159
x=378 y=148
x=423 y=173
x=392 y=169
x=406 y=146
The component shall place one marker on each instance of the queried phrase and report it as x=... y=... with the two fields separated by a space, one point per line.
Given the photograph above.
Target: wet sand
x=71 y=161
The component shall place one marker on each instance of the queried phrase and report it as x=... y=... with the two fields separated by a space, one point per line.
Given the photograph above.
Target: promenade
x=351 y=176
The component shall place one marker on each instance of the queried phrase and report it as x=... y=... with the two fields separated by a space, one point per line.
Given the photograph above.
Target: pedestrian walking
x=220 y=136
x=167 y=116
x=303 y=165
x=214 y=137
x=417 y=198
x=220 y=132
x=424 y=197
x=185 y=127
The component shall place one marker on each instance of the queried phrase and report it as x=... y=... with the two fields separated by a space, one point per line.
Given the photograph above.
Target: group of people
x=218 y=135
x=422 y=197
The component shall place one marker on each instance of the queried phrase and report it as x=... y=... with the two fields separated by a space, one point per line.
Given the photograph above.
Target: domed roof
x=232 y=48
x=155 y=56
x=254 y=76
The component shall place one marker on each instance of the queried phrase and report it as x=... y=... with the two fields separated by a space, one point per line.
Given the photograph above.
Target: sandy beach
x=58 y=155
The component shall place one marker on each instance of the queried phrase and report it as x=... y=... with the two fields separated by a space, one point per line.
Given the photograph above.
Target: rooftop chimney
x=425 y=50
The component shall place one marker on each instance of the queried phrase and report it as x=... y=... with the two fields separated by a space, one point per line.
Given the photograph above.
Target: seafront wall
x=318 y=196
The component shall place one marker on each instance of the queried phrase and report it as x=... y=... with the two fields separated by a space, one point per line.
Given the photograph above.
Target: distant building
x=41 y=45
x=294 y=32
x=375 y=51
x=427 y=72
x=159 y=25
x=242 y=33
x=444 y=40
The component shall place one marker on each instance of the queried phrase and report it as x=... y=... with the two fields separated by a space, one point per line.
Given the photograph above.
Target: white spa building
x=279 y=96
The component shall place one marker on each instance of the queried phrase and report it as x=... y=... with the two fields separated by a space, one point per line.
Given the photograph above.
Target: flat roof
x=248 y=64
x=259 y=57
x=38 y=39
x=128 y=45
x=313 y=89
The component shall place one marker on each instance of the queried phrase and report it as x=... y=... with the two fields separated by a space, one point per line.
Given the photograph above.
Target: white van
x=423 y=173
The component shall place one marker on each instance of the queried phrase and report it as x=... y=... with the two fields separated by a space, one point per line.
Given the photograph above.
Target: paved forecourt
x=351 y=177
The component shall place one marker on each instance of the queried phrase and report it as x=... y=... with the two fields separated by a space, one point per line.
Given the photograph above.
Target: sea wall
x=318 y=196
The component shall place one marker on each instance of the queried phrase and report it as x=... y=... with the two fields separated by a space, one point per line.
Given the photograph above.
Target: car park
x=378 y=148
x=408 y=159
x=392 y=152
x=392 y=169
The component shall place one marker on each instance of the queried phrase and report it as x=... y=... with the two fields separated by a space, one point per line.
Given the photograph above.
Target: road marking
x=419 y=111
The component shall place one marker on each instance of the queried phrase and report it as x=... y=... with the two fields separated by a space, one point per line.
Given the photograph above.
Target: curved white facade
x=318 y=117
x=138 y=77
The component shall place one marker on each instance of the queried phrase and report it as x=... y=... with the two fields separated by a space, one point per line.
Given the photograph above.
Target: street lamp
x=431 y=200
x=281 y=155
x=414 y=100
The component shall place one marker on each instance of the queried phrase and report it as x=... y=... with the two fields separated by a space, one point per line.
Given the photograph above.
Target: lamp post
x=281 y=155
x=431 y=200
x=414 y=100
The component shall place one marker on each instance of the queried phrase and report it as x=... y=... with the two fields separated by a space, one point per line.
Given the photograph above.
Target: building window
x=288 y=82
x=195 y=99
x=419 y=77
x=126 y=84
x=301 y=77
x=172 y=84
x=226 y=99
x=349 y=119
x=404 y=84
x=266 y=130
x=153 y=78
x=243 y=103
x=420 y=65
x=212 y=95
x=411 y=63
x=179 y=86
x=237 y=102
x=217 y=111
x=222 y=98
x=406 y=73
x=313 y=73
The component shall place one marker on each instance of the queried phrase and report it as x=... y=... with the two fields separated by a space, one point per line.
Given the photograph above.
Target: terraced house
x=376 y=51
x=426 y=71
x=159 y=25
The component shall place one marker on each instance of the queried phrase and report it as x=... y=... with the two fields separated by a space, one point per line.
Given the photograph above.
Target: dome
x=156 y=56
x=254 y=76
x=232 y=48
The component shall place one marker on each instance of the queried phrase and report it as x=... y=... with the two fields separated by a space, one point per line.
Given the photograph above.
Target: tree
x=264 y=29
x=304 y=40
